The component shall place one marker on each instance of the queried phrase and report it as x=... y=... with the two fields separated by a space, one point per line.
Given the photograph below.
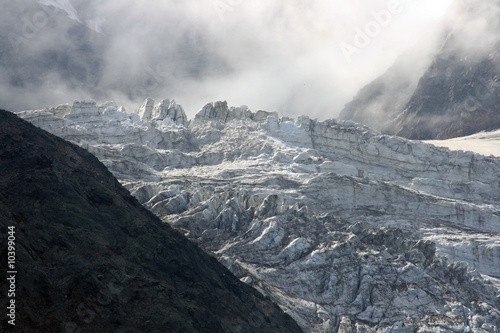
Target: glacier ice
x=345 y=228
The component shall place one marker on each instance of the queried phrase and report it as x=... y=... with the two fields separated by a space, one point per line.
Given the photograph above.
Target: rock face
x=458 y=94
x=91 y=258
x=345 y=228
x=378 y=103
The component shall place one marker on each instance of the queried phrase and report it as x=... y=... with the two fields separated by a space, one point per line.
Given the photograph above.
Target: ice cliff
x=347 y=229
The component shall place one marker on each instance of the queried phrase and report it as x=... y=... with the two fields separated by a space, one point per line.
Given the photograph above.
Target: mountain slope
x=345 y=228
x=379 y=102
x=90 y=258
x=457 y=95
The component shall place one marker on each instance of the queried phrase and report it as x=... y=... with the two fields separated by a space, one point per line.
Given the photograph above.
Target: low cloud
x=285 y=55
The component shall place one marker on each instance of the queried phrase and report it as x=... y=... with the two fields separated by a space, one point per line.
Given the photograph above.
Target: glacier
x=485 y=143
x=345 y=228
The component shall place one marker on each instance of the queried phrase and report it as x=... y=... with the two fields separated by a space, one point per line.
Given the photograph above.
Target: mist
x=291 y=56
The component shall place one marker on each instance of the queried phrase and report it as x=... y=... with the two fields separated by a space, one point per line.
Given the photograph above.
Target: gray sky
x=292 y=56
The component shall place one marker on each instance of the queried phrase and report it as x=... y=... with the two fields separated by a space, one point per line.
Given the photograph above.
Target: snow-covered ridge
x=331 y=219
x=485 y=143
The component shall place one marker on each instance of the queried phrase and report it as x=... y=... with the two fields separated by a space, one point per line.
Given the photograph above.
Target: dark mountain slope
x=379 y=102
x=90 y=258
x=456 y=95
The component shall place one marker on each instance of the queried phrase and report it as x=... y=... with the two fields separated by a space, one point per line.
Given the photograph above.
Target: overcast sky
x=292 y=56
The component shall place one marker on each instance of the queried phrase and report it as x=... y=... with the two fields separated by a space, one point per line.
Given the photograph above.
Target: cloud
x=282 y=55
x=65 y=5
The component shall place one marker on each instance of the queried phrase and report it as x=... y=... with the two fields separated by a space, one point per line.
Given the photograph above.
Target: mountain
x=456 y=95
x=378 y=103
x=345 y=228
x=90 y=258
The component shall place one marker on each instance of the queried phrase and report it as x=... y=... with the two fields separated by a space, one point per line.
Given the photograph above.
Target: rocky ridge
x=458 y=92
x=347 y=229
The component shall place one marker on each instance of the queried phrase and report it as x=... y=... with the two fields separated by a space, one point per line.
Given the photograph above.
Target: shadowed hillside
x=90 y=258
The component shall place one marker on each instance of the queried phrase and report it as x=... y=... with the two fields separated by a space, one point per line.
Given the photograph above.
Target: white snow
x=337 y=223
x=485 y=143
